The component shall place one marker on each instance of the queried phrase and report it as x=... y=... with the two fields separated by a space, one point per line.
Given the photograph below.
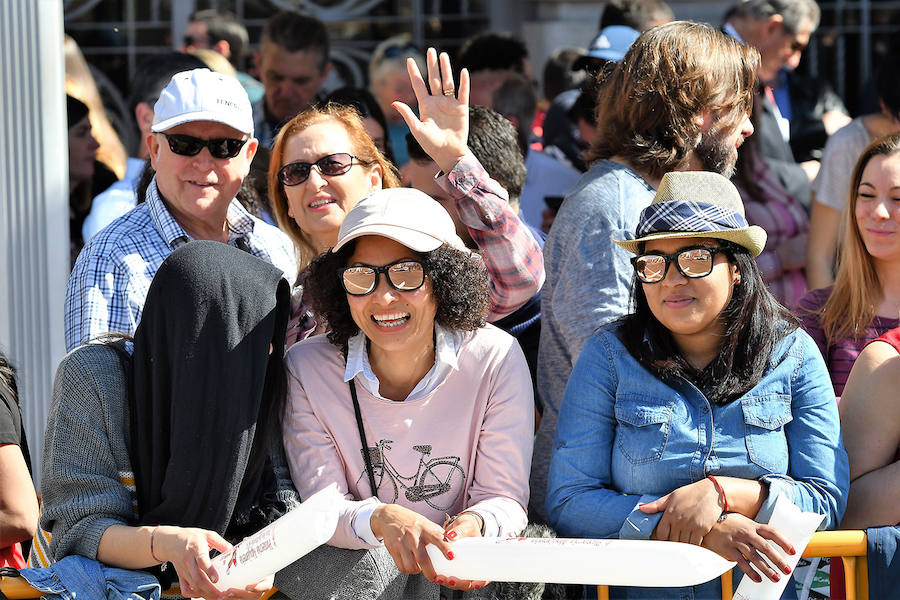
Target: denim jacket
x=76 y=577
x=625 y=438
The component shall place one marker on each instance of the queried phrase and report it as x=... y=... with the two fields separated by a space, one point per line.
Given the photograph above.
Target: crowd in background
x=639 y=302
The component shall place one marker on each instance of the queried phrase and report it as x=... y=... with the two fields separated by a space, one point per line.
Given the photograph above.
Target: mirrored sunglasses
x=188 y=145
x=693 y=263
x=403 y=275
x=339 y=163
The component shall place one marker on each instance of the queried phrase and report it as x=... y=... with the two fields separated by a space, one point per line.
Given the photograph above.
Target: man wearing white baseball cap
x=201 y=145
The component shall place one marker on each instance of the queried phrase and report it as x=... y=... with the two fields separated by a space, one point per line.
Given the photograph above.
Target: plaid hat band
x=689 y=217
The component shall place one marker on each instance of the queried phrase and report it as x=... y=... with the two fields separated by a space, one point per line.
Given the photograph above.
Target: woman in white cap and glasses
x=684 y=420
x=323 y=162
x=411 y=404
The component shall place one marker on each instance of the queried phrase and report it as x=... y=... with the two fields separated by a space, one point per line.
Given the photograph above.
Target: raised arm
x=512 y=257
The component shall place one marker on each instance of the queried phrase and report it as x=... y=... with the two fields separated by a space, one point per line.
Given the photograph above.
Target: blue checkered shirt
x=108 y=285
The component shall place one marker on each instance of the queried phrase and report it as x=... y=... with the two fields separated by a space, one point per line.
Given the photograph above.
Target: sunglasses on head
x=190 y=40
x=404 y=275
x=693 y=262
x=188 y=145
x=399 y=50
x=339 y=163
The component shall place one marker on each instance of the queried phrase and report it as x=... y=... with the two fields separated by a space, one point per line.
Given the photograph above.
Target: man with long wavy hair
x=679 y=100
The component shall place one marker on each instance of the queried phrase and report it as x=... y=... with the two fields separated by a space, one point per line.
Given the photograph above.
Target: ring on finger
x=449 y=92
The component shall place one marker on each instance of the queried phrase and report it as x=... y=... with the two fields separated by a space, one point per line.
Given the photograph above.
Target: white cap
x=202 y=95
x=405 y=215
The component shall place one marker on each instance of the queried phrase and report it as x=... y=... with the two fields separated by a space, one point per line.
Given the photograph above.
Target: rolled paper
x=280 y=543
x=645 y=563
x=798 y=527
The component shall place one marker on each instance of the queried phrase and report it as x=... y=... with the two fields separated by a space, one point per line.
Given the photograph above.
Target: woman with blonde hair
x=389 y=83
x=864 y=301
x=80 y=84
x=323 y=162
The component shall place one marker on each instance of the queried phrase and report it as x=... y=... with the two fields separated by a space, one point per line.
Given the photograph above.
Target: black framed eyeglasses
x=404 y=275
x=188 y=145
x=693 y=262
x=338 y=163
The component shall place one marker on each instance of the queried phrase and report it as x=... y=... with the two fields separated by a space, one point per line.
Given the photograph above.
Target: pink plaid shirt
x=783 y=218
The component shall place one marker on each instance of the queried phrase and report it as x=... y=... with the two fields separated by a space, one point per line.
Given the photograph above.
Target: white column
x=34 y=208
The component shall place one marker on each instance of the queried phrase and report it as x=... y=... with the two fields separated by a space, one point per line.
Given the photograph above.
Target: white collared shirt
x=446 y=349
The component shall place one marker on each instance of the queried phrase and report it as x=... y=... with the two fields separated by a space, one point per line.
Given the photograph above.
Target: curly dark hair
x=458 y=279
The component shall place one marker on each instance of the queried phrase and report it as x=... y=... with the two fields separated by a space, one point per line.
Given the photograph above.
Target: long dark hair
x=754 y=323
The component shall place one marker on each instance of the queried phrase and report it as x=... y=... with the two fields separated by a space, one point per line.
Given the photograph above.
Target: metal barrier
x=850 y=546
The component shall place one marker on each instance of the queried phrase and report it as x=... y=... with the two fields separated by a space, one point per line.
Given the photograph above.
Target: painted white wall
x=34 y=206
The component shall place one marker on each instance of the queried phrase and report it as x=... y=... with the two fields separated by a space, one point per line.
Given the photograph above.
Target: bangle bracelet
x=720 y=490
x=153 y=533
x=478 y=517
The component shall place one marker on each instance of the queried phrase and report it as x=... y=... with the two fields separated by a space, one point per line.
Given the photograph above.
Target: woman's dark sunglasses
x=404 y=275
x=693 y=262
x=188 y=145
x=339 y=163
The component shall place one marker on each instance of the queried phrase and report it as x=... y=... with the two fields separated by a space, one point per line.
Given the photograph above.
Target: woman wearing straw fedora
x=684 y=420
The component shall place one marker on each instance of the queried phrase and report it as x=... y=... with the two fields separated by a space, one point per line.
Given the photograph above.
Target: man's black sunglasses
x=188 y=145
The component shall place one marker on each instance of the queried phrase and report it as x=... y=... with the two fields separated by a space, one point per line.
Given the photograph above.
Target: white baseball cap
x=405 y=215
x=203 y=95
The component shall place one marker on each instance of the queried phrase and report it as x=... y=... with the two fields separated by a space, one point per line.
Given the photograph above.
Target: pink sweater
x=466 y=445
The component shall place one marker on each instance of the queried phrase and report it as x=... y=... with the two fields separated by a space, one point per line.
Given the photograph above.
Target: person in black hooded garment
x=157 y=456
x=164 y=447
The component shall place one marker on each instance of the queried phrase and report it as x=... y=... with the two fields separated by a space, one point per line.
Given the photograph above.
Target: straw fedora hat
x=696 y=204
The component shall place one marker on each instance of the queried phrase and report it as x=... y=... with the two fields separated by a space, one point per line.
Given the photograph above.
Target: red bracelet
x=153 y=533
x=720 y=490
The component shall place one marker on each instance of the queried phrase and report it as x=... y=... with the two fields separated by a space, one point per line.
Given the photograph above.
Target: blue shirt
x=108 y=285
x=114 y=202
x=588 y=284
x=625 y=437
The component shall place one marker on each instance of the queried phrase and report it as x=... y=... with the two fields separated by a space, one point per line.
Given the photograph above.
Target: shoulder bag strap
x=362 y=437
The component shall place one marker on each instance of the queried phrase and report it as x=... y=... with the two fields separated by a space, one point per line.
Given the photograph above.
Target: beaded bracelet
x=720 y=490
